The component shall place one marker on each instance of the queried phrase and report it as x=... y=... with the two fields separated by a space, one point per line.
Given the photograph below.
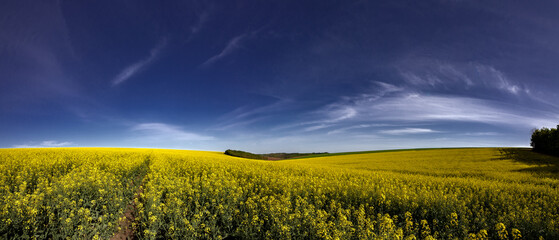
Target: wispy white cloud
x=408 y=131
x=317 y=127
x=247 y=115
x=399 y=119
x=384 y=113
x=433 y=73
x=166 y=132
x=233 y=45
x=136 y=67
x=438 y=74
x=336 y=114
x=385 y=88
x=496 y=78
x=340 y=113
x=323 y=118
x=481 y=134
x=237 y=124
x=417 y=107
x=357 y=126
x=410 y=107
x=44 y=144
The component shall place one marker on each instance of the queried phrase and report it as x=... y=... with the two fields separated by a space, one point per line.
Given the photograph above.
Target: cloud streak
x=494 y=77
x=437 y=74
x=44 y=144
x=233 y=45
x=411 y=108
x=166 y=132
x=481 y=134
x=421 y=108
x=245 y=116
x=407 y=131
x=138 y=66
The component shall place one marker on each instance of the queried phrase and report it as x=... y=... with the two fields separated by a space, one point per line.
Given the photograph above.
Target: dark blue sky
x=271 y=76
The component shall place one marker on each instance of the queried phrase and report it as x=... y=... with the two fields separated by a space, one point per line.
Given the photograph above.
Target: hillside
x=507 y=163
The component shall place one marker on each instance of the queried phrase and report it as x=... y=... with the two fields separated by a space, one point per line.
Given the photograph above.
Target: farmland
x=82 y=193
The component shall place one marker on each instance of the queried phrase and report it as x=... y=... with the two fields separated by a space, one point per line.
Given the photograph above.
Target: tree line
x=269 y=156
x=546 y=140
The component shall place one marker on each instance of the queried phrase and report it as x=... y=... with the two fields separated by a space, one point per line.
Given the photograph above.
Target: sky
x=277 y=76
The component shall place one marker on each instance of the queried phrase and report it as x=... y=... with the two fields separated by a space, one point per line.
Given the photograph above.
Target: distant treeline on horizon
x=267 y=156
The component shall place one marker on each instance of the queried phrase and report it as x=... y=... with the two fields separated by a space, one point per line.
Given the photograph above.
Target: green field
x=84 y=193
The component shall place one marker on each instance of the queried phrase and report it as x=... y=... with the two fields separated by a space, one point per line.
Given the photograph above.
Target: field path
x=126 y=231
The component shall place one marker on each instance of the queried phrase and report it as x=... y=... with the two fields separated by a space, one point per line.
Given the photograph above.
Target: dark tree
x=546 y=140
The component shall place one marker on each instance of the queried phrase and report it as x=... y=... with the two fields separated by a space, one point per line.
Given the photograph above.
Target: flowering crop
x=430 y=194
x=441 y=194
x=61 y=193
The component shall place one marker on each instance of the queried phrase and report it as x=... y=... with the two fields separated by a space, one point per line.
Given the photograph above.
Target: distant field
x=374 y=151
x=84 y=193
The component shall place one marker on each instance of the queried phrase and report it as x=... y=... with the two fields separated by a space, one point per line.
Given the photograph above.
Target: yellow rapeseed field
x=80 y=193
